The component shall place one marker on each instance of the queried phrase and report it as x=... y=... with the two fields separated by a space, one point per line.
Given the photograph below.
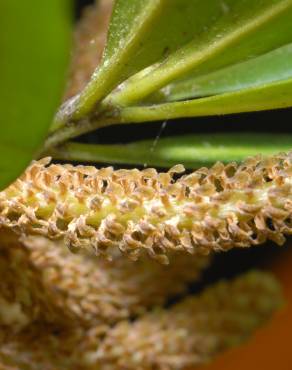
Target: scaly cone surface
x=195 y=330
x=145 y=212
x=45 y=281
x=188 y=334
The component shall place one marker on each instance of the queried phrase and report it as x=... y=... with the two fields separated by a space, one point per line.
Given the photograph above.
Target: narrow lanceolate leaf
x=270 y=67
x=264 y=97
x=145 y=212
x=193 y=151
x=34 y=44
x=189 y=334
x=195 y=330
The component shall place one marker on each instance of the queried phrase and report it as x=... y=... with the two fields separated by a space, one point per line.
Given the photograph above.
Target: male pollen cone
x=146 y=212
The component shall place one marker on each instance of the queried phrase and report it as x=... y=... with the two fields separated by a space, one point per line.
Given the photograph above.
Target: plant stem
x=277 y=94
x=71 y=130
x=272 y=96
x=192 y=151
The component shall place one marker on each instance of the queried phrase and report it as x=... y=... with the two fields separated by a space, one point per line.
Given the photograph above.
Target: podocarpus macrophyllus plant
x=91 y=256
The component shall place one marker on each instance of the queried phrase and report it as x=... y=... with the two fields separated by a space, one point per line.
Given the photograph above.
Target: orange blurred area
x=271 y=347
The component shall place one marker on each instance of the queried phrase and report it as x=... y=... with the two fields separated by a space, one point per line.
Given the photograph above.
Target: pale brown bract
x=149 y=213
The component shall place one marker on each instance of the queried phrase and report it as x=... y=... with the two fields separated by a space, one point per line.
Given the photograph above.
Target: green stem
x=270 y=96
x=265 y=97
x=109 y=74
x=74 y=129
x=192 y=151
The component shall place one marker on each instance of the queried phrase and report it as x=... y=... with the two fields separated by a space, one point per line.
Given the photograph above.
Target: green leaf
x=247 y=29
x=34 y=44
x=144 y=32
x=130 y=21
x=271 y=67
x=200 y=38
x=263 y=97
x=192 y=151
